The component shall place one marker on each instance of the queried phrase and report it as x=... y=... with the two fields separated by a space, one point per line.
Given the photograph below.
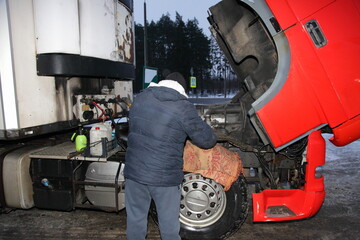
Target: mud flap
x=293 y=204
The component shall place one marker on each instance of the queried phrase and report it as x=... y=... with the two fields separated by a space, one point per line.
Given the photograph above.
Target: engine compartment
x=264 y=166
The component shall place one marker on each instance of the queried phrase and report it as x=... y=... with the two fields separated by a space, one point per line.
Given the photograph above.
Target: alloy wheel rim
x=203 y=201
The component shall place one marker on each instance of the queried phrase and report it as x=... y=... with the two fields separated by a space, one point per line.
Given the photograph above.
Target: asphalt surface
x=338 y=218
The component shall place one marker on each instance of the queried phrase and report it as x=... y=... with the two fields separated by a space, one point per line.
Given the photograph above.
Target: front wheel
x=207 y=211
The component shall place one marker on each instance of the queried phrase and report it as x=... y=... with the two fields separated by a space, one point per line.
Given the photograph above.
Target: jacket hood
x=168 y=90
x=170 y=84
x=166 y=94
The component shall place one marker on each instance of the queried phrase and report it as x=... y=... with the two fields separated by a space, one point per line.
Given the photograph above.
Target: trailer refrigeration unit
x=70 y=62
x=62 y=63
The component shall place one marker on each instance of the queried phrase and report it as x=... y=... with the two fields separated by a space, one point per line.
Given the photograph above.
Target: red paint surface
x=323 y=84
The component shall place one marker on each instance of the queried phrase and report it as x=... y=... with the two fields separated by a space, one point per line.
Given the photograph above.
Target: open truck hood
x=256 y=48
x=247 y=44
x=298 y=69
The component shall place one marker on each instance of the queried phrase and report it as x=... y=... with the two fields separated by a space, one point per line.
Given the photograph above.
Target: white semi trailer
x=62 y=63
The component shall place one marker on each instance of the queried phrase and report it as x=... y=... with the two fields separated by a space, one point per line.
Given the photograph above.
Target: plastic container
x=80 y=143
x=97 y=132
x=80 y=139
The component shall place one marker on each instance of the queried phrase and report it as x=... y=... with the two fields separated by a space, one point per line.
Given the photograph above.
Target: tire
x=207 y=211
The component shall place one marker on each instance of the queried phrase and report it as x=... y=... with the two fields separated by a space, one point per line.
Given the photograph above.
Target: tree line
x=182 y=46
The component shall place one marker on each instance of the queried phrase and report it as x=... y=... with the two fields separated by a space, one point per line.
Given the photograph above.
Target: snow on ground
x=334 y=153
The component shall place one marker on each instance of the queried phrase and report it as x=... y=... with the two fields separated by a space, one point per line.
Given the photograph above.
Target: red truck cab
x=299 y=62
x=322 y=84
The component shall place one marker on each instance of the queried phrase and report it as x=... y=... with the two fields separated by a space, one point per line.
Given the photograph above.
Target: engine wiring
x=295 y=150
x=107 y=113
x=101 y=109
x=266 y=169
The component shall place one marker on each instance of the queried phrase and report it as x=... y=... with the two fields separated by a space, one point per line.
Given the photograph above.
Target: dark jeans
x=137 y=200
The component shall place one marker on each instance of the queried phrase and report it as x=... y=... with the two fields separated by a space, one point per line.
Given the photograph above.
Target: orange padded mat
x=217 y=163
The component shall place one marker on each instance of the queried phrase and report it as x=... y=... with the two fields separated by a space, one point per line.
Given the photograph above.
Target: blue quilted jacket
x=161 y=119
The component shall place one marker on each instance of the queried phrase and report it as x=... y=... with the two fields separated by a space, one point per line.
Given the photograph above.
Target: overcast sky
x=188 y=9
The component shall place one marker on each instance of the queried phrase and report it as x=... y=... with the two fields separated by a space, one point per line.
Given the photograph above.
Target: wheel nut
x=182 y=206
x=186 y=189
x=188 y=213
x=195 y=185
x=212 y=204
x=204 y=188
x=211 y=194
x=198 y=215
